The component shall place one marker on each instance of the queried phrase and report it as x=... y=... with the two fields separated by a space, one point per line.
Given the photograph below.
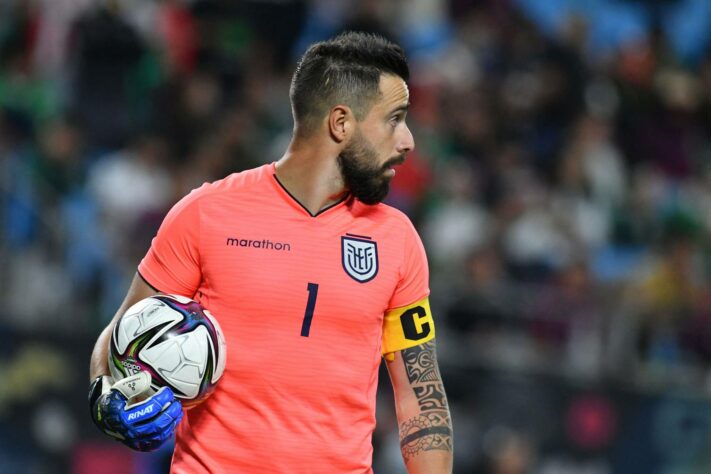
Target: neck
x=309 y=171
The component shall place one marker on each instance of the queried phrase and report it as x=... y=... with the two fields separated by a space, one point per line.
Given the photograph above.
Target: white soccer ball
x=173 y=338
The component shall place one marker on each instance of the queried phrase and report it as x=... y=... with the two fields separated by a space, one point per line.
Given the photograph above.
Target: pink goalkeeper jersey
x=308 y=304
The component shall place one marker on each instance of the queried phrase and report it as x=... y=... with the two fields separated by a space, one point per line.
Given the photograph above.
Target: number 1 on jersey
x=310 y=305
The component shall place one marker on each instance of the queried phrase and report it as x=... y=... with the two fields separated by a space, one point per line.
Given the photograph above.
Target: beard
x=362 y=176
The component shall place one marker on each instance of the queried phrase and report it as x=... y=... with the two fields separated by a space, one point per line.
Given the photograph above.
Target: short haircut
x=343 y=70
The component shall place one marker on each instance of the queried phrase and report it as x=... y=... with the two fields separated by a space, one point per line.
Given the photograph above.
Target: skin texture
x=318 y=168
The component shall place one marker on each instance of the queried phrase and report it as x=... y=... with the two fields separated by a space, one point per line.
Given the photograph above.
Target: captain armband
x=406 y=327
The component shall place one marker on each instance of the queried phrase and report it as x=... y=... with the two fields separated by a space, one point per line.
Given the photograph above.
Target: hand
x=142 y=426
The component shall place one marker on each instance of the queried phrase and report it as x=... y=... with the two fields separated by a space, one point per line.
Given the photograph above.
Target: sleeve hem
x=424 y=295
x=158 y=284
x=145 y=280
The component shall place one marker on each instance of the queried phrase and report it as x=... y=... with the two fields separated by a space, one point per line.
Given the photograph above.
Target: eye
x=396 y=119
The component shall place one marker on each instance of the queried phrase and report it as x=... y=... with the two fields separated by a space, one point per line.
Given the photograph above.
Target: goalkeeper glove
x=142 y=426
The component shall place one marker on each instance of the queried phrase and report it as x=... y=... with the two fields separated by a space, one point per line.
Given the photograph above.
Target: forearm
x=98 y=363
x=424 y=420
x=426 y=442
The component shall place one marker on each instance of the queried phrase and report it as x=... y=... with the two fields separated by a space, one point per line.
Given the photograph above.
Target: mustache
x=398 y=160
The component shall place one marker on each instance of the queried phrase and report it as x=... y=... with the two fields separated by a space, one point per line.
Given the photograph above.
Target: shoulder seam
x=397 y=213
x=211 y=191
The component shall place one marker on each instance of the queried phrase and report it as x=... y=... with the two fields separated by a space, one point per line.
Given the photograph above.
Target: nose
x=406 y=143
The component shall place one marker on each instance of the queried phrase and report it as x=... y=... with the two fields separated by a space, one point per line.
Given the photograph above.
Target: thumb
x=136 y=384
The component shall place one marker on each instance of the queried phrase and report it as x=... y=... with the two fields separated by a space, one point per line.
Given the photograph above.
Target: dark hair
x=345 y=69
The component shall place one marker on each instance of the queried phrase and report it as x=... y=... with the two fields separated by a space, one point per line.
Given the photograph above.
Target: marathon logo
x=258 y=244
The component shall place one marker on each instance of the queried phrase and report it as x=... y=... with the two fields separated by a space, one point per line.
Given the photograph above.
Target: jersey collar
x=347 y=198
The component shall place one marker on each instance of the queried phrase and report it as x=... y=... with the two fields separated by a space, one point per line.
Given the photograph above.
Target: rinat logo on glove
x=140 y=413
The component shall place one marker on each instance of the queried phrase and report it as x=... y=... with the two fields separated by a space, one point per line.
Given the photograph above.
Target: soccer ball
x=176 y=341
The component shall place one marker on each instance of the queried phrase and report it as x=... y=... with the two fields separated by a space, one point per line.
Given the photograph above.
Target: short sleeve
x=408 y=321
x=172 y=264
x=414 y=272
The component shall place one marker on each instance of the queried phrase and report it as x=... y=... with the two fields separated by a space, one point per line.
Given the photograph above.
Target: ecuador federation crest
x=359 y=256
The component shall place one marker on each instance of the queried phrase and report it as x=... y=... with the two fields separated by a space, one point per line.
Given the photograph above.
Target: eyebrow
x=401 y=108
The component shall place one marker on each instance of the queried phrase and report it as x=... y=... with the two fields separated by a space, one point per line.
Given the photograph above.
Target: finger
x=162 y=427
x=154 y=441
x=175 y=410
x=164 y=396
x=136 y=384
x=160 y=401
x=171 y=415
x=170 y=429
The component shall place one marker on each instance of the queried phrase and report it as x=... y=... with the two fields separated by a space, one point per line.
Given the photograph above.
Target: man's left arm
x=424 y=421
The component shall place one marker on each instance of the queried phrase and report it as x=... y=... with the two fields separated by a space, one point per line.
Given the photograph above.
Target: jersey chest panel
x=285 y=287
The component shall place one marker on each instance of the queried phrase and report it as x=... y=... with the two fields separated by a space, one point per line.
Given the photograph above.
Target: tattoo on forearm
x=426 y=432
x=421 y=366
x=432 y=429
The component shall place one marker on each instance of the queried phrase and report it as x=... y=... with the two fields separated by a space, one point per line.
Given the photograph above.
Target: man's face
x=381 y=141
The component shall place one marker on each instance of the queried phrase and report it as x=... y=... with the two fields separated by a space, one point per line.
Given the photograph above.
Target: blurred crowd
x=561 y=184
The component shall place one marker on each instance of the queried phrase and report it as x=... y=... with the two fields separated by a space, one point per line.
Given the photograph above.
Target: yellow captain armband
x=407 y=326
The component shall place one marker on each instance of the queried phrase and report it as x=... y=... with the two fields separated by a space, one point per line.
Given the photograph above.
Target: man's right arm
x=173 y=263
x=145 y=425
x=138 y=290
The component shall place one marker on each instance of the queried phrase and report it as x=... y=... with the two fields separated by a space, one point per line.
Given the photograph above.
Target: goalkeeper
x=313 y=280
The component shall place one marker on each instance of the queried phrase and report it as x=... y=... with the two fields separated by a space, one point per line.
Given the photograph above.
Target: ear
x=341 y=123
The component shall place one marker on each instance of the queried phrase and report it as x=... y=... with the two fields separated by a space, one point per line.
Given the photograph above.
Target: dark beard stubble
x=361 y=176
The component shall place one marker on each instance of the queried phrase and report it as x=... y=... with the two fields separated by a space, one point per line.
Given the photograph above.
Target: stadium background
x=561 y=183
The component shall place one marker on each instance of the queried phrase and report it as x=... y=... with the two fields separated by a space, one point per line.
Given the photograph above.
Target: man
x=311 y=279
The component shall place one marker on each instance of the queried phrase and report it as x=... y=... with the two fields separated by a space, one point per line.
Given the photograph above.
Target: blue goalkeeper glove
x=142 y=426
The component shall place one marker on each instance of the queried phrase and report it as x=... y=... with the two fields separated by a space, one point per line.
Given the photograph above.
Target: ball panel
x=195 y=344
x=185 y=378
x=150 y=316
x=139 y=306
x=163 y=355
